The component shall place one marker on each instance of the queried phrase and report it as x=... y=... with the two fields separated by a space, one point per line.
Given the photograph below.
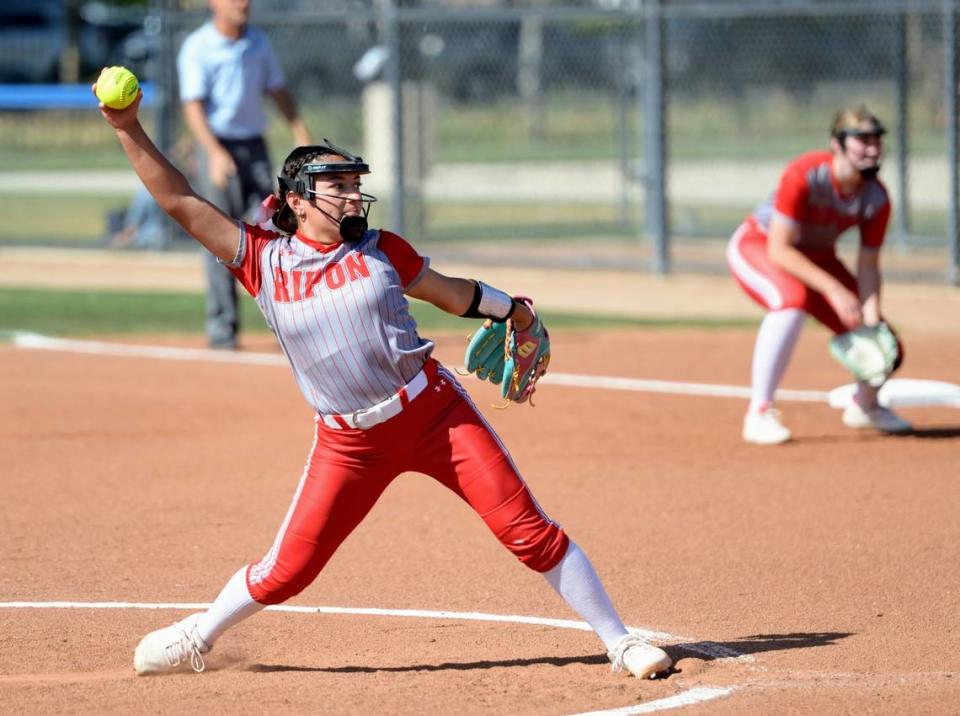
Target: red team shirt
x=808 y=197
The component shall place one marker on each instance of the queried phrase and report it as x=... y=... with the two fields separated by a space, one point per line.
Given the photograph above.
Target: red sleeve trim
x=790 y=200
x=408 y=263
x=246 y=267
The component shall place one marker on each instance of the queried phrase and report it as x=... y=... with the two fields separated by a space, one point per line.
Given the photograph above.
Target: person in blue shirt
x=225 y=69
x=140 y=224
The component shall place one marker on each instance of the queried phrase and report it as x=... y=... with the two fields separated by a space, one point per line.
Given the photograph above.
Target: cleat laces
x=176 y=653
x=616 y=656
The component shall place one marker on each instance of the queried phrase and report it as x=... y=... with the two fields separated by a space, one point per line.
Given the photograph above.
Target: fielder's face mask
x=352 y=226
x=868 y=129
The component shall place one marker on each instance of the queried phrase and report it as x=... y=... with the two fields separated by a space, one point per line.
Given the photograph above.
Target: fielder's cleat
x=164 y=650
x=641 y=659
x=764 y=428
x=877 y=417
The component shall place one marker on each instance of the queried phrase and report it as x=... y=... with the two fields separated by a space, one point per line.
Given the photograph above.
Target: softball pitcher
x=784 y=258
x=334 y=293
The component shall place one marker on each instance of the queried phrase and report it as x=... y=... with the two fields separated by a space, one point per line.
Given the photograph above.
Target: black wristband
x=489 y=302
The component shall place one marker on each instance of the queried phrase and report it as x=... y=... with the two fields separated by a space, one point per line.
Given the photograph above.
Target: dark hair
x=283 y=217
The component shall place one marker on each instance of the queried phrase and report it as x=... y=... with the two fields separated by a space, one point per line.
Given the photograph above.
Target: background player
x=334 y=294
x=784 y=257
x=224 y=68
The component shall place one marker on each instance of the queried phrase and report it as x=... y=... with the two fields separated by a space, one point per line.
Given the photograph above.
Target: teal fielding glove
x=514 y=359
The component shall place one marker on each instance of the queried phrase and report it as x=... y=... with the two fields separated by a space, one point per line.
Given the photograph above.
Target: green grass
x=104 y=313
x=80 y=221
x=568 y=125
x=566 y=128
x=572 y=125
x=65 y=219
x=502 y=220
x=85 y=313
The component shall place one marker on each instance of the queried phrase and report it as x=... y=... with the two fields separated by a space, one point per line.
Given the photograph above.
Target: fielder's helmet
x=856 y=122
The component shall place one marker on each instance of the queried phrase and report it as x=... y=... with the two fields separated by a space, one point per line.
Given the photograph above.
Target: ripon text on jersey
x=293 y=286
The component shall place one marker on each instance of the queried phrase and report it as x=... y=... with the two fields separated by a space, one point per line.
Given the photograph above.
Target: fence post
x=655 y=136
x=395 y=81
x=163 y=68
x=950 y=109
x=902 y=101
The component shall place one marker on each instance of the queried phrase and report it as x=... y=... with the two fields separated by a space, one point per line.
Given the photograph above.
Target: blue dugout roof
x=57 y=96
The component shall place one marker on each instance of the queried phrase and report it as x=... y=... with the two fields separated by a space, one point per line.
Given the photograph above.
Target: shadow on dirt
x=936 y=433
x=755 y=644
x=705 y=650
x=947 y=432
x=446 y=666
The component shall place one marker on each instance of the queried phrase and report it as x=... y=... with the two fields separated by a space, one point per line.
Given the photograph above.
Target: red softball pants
x=440 y=434
x=775 y=289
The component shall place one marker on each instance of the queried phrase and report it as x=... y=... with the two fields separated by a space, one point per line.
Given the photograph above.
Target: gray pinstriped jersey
x=340 y=315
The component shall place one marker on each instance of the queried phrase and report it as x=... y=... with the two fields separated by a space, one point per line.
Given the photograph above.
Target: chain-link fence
x=626 y=132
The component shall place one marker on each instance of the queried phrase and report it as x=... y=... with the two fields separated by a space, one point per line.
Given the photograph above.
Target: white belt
x=381 y=412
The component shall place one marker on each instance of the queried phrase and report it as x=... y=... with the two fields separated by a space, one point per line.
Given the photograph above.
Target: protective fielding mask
x=352 y=227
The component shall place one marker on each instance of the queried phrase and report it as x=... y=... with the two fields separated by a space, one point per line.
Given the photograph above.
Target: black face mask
x=353 y=227
x=870 y=172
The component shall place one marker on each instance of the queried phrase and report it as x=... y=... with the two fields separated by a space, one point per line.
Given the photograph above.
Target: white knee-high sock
x=575 y=580
x=232 y=605
x=776 y=340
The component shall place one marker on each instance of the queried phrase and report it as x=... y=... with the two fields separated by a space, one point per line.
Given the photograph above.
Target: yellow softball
x=117 y=87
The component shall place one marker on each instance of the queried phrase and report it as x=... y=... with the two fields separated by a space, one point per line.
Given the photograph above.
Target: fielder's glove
x=869 y=352
x=514 y=359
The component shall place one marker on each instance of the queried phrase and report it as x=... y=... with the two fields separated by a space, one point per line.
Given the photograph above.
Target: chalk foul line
x=897 y=392
x=706 y=648
x=696 y=695
x=34 y=341
x=685 y=698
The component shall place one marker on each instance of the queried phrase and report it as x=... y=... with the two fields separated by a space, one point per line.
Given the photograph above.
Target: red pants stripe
x=440 y=434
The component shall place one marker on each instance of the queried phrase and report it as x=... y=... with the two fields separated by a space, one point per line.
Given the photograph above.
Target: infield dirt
x=828 y=564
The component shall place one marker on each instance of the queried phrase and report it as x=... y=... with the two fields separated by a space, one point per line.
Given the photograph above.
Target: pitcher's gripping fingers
x=526 y=359
x=485 y=352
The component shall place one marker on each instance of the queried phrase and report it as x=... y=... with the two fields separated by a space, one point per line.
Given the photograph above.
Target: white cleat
x=641 y=659
x=165 y=650
x=764 y=428
x=877 y=417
